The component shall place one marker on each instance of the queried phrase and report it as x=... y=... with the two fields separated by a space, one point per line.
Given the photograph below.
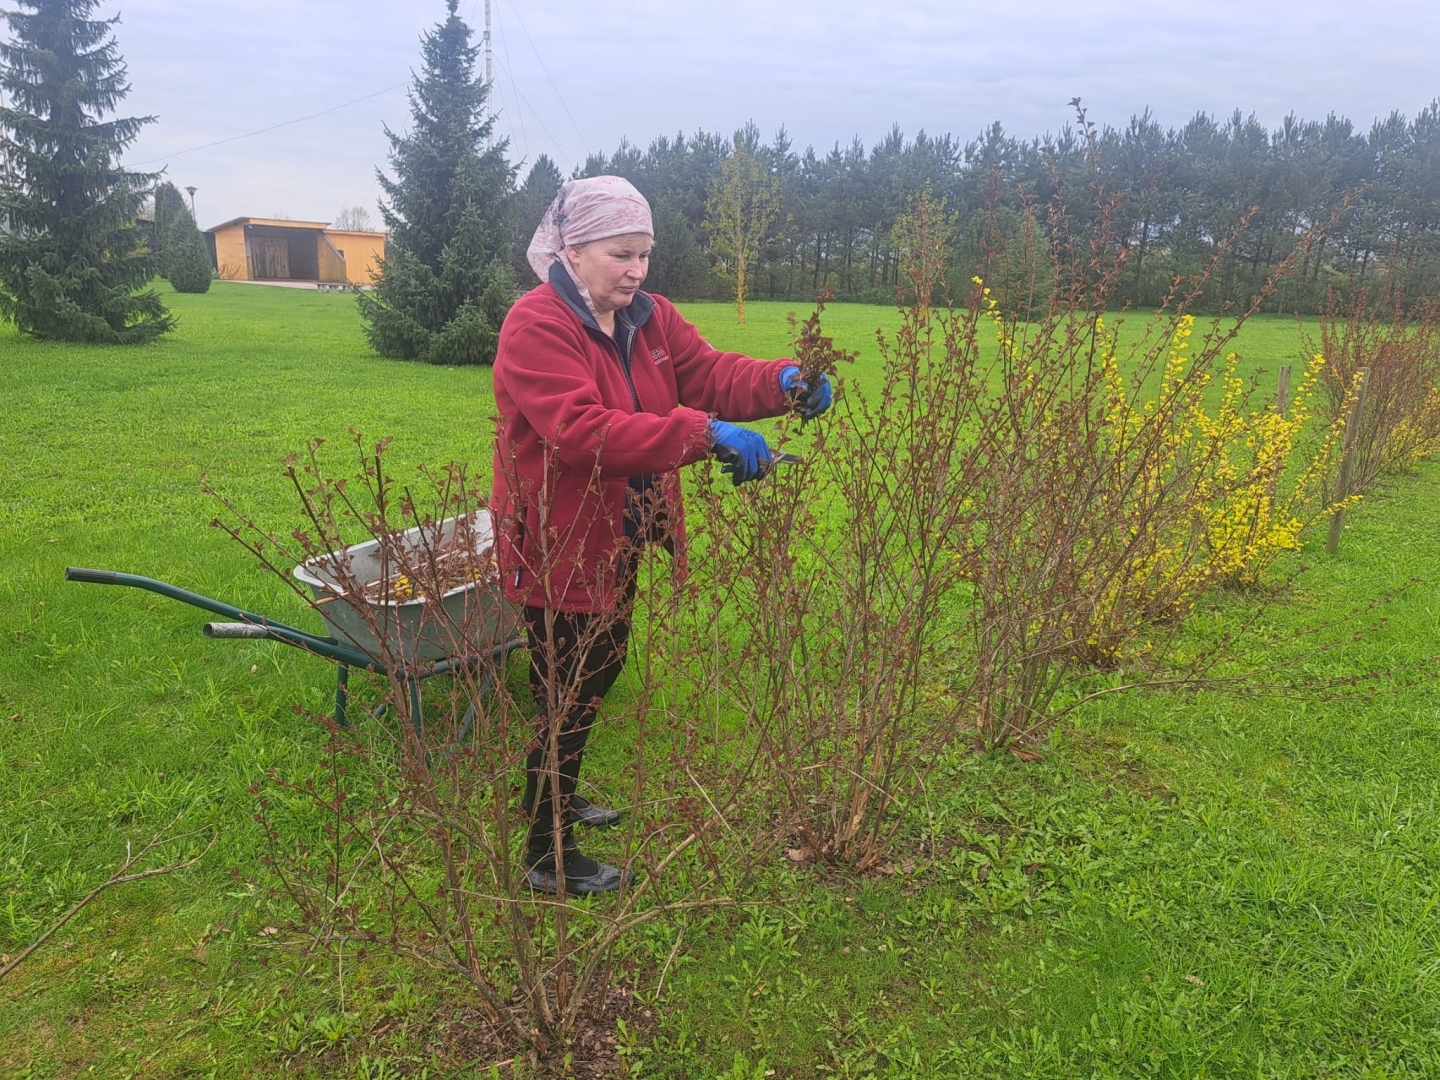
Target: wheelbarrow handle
x=234 y=630
x=95 y=577
x=275 y=631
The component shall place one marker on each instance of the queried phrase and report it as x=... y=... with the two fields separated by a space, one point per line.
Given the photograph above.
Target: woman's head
x=611 y=269
x=584 y=212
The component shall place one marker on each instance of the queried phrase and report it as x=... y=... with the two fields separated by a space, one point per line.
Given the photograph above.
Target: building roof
x=278 y=223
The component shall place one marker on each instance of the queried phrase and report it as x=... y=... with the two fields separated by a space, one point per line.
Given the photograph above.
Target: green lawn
x=1199 y=887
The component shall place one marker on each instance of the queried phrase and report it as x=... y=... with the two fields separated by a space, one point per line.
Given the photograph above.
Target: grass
x=1208 y=886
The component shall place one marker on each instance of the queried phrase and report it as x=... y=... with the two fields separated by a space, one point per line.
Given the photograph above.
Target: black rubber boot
x=584 y=812
x=583 y=875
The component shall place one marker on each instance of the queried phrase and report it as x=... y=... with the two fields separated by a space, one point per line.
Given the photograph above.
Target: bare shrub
x=1013 y=505
x=816 y=600
x=1399 y=344
x=410 y=839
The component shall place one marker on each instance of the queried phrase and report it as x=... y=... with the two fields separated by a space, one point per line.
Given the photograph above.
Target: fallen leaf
x=254 y=668
x=1196 y=979
x=846 y=950
x=1026 y=755
x=983 y=874
x=798 y=854
x=54 y=539
x=269 y=931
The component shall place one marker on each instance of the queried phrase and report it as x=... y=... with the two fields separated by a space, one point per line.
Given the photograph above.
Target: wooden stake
x=1347 y=464
x=1282 y=392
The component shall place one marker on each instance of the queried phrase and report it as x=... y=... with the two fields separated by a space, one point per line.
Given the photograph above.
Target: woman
x=603 y=391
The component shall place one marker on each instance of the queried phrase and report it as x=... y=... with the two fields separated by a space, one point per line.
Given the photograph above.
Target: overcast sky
x=572 y=78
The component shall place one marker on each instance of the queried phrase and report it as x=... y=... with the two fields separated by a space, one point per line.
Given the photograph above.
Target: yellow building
x=269 y=249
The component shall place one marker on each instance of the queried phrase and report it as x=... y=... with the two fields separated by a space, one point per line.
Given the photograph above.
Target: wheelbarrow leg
x=417 y=718
x=498 y=654
x=342 y=682
x=469 y=719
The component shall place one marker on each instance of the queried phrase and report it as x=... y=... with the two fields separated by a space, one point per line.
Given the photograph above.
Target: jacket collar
x=637 y=314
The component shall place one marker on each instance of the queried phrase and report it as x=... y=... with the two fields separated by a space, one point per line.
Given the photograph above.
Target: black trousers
x=589 y=654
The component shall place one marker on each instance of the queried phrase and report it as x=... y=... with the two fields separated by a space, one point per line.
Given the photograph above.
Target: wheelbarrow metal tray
x=471 y=618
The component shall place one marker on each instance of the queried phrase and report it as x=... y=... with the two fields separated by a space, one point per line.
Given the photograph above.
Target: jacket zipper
x=520 y=548
x=625 y=360
x=624 y=356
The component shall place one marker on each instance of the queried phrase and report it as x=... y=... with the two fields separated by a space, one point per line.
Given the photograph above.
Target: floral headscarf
x=585 y=210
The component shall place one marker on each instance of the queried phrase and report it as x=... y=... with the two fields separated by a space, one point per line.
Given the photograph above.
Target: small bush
x=186 y=258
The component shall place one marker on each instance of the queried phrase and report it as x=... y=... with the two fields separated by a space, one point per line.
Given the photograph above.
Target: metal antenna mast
x=489 y=75
x=489 y=52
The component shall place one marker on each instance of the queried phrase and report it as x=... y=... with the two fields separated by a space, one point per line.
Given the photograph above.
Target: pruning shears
x=729 y=456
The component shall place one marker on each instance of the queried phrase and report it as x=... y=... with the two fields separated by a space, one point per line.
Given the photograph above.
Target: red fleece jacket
x=572 y=434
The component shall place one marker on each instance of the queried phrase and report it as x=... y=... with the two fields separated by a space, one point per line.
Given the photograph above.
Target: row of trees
x=1373 y=197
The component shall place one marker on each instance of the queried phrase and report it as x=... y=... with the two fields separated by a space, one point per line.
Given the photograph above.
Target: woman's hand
x=745 y=452
x=809 y=401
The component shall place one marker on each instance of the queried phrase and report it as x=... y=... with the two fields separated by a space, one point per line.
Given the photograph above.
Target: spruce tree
x=444 y=285
x=531 y=200
x=75 y=258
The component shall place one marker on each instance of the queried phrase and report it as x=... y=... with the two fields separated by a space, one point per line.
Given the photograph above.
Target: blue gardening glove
x=744 y=452
x=810 y=401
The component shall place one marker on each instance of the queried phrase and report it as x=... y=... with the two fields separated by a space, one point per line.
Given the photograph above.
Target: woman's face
x=612 y=269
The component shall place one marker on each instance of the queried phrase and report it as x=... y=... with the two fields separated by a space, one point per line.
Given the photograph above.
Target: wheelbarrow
x=363 y=629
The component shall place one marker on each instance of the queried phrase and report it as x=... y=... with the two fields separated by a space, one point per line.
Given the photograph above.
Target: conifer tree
x=72 y=265
x=533 y=198
x=184 y=258
x=444 y=285
x=168 y=204
x=187 y=259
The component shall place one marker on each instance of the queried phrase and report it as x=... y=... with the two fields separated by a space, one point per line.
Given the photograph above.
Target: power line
x=545 y=69
x=519 y=115
x=497 y=114
x=536 y=113
x=272 y=127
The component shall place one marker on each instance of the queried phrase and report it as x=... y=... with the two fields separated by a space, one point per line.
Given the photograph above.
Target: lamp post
x=191 y=192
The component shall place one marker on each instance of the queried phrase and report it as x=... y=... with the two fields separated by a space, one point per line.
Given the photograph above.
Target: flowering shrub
x=1270 y=477
x=1254 y=476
